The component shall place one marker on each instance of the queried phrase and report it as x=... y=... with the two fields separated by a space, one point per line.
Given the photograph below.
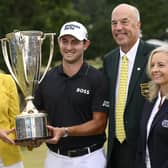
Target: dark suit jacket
x=135 y=100
x=157 y=140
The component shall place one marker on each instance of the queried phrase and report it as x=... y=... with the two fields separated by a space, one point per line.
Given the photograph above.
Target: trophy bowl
x=24 y=64
x=31 y=127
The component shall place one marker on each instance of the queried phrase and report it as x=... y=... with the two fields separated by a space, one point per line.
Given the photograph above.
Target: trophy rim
x=27 y=141
x=31 y=115
x=26 y=33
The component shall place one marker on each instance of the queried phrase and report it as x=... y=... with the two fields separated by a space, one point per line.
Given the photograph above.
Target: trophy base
x=35 y=142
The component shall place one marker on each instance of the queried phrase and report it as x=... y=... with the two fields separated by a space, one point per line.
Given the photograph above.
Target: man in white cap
x=74 y=95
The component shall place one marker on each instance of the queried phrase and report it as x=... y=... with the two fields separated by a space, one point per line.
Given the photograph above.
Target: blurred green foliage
x=49 y=15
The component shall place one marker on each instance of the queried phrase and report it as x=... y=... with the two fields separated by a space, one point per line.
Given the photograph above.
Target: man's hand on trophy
x=4 y=136
x=57 y=134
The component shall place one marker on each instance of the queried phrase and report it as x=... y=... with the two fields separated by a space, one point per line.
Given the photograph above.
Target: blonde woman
x=10 y=155
x=153 y=140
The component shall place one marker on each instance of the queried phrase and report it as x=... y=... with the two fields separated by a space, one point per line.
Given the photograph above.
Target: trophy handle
x=6 y=58
x=51 y=53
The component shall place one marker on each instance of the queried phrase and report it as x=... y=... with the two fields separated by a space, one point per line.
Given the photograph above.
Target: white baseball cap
x=75 y=29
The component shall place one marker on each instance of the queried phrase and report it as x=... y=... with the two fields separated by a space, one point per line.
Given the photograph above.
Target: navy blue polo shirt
x=71 y=101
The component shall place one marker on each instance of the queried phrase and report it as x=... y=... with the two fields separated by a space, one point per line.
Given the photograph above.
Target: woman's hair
x=153 y=87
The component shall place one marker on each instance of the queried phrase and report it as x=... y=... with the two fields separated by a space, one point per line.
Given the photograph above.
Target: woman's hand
x=4 y=136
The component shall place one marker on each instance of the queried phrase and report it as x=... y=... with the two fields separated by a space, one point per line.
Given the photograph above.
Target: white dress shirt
x=131 y=54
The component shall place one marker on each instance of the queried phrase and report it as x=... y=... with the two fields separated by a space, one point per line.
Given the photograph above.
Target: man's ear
x=86 y=44
x=58 y=40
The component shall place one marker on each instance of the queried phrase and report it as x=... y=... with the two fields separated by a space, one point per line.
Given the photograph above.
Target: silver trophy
x=24 y=63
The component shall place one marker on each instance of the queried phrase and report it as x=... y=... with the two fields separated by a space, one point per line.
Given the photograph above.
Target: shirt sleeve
x=100 y=101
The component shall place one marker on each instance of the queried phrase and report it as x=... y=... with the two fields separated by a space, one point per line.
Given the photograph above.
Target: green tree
x=49 y=15
x=153 y=18
x=98 y=24
x=43 y=15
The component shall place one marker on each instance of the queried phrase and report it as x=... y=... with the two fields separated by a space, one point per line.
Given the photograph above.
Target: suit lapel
x=138 y=69
x=161 y=112
x=144 y=121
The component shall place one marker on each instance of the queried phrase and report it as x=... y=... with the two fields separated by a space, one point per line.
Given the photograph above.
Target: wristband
x=65 y=132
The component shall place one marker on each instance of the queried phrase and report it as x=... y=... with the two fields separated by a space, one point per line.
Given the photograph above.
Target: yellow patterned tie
x=121 y=100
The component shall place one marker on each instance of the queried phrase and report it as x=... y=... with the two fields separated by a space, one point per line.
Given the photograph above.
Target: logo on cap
x=71 y=26
x=75 y=29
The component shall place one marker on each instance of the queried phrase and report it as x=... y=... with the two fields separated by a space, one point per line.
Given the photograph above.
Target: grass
x=97 y=63
x=34 y=158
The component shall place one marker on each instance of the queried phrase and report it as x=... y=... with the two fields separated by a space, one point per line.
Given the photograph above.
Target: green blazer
x=135 y=100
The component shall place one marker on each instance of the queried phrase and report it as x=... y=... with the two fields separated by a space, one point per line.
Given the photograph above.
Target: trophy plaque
x=24 y=63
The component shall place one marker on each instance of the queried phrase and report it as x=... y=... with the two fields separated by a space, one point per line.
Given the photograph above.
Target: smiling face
x=159 y=69
x=125 y=26
x=72 y=49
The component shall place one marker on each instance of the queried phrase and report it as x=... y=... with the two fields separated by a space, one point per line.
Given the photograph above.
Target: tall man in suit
x=125 y=25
